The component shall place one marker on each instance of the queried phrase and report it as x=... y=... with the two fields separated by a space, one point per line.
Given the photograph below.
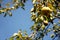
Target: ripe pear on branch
x=46 y=10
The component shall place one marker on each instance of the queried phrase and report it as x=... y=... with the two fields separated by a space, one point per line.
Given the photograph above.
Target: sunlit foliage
x=8 y=9
x=43 y=13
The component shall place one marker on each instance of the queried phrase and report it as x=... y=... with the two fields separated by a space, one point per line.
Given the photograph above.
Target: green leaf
x=5 y=14
x=8 y=4
x=17 y=38
x=0 y=12
x=23 y=8
x=10 y=14
x=58 y=13
x=22 y=4
x=45 y=18
x=34 y=1
x=11 y=38
x=52 y=35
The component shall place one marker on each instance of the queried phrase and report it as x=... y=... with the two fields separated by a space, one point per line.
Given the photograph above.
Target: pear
x=44 y=9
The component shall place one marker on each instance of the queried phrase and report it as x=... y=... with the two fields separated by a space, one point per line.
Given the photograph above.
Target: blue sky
x=20 y=20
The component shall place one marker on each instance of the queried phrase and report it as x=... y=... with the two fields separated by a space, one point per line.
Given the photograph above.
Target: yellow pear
x=46 y=9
